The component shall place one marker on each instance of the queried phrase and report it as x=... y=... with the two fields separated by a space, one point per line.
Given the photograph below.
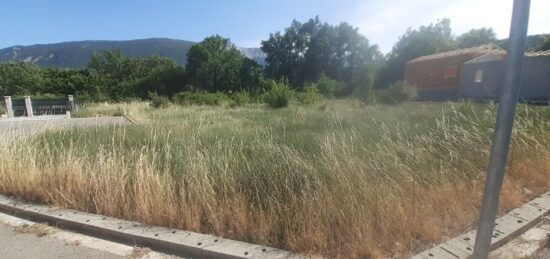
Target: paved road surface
x=27 y=246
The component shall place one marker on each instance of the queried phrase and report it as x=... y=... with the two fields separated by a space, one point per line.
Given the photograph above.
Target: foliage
x=19 y=78
x=159 y=101
x=309 y=95
x=544 y=44
x=127 y=78
x=425 y=40
x=476 y=37
x=397 y=93
x=329 y=87
x=200 y=98
x=279 y=95
x=306 y=50
x=215 y=64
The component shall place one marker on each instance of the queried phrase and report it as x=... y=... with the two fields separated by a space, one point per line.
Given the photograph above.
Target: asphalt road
x=27 y=246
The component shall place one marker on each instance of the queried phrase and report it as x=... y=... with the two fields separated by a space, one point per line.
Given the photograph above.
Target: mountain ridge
x=76 y=54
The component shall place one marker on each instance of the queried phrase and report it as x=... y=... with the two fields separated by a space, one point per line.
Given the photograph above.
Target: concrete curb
x=507 y=227
x=162 y=239
x=129 y=119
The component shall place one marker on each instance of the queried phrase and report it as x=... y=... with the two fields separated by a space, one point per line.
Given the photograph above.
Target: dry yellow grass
x=337 y=180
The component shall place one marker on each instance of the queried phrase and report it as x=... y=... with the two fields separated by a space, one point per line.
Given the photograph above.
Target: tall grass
x=338 y=179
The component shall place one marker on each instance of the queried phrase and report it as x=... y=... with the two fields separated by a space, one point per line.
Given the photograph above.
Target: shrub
x=328 y=86
x=240 y=98
x=310 y=95
x=278 y=96
x=396 y=93
x=200 y=98
x=159 y=101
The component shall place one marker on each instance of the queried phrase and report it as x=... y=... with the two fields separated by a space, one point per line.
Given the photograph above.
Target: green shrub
x=310 y=95
x=397 y=93
x=240 y=98
x=159 y=101
x=278 y=96
x=200 y=98
x=329 y=87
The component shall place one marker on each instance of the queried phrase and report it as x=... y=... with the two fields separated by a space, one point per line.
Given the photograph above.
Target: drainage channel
x=162 y=239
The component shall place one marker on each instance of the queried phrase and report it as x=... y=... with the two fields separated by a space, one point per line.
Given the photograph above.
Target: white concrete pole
x=71 y=107
x=28 y=106
x=9 y=107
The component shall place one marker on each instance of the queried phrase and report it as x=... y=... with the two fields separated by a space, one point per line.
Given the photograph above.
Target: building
x=482 y=78
x=437 y=76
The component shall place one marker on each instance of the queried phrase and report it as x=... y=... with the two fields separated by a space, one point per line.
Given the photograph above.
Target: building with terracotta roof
x=476 y=73
x=437 y=76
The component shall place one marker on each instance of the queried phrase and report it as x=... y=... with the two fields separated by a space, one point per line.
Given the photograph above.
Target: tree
x=305 y=51
x=20 y=78
x=124 y=78
x=426 y=40
x=215 y=64
x=545 y=44
x=476 y=37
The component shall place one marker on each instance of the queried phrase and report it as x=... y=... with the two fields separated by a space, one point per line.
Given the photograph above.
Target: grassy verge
x=138 y=110
x=337 y=179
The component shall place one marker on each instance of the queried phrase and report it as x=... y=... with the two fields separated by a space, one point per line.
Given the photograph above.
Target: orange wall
x=431 y=74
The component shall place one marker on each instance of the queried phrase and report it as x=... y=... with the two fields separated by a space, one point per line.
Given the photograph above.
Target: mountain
x=76 y=54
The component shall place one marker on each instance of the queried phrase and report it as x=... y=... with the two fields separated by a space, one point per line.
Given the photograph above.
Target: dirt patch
x=38 y=229
x=139 y=252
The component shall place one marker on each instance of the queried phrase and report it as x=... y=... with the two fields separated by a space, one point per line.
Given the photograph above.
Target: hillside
x=76 y=54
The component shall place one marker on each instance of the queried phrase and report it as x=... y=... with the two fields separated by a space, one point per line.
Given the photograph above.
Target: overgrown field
x=337 y=179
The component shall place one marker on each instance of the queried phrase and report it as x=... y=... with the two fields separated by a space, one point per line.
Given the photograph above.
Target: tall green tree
x=476 y=37
x=425 y=40
x=124 y=77
x=215 y=64
x=305 y=51
x=19 y=78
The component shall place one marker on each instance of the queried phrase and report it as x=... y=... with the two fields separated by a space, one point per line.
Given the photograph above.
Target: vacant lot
x=337 y=179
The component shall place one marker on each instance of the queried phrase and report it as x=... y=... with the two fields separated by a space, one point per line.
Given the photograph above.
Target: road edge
x=507 y=227
x=161 y=239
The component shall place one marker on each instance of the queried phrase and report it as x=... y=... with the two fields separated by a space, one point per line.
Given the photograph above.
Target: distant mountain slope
x=76 y=54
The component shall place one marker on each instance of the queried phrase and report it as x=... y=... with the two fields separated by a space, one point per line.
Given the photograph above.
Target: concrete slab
x=167 y=240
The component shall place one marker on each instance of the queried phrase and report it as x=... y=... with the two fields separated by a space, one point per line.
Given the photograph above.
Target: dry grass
x=38 y=229
x=337 y=179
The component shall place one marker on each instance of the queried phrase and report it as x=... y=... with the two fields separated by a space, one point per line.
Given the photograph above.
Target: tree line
x=335 y=60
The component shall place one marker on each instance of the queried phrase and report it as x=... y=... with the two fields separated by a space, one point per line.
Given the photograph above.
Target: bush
x=240 y=98
x=159 y=101
x=397 y=93
x=310 y=95
x=328 y=86
x=278 y=96
x=200 y=98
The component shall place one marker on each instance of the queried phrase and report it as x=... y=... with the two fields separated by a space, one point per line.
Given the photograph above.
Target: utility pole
x=503 y=128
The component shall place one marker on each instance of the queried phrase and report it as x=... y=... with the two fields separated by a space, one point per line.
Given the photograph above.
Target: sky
x=245 y=22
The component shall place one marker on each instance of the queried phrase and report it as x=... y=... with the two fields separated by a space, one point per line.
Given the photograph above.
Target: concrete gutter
x=507 y=227
x=162 y=239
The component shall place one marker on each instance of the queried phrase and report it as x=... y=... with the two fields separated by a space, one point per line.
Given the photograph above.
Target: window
x=451 y=71
x=479 y=76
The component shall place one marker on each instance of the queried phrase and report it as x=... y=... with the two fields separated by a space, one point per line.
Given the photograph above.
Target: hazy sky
x=246 y=22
